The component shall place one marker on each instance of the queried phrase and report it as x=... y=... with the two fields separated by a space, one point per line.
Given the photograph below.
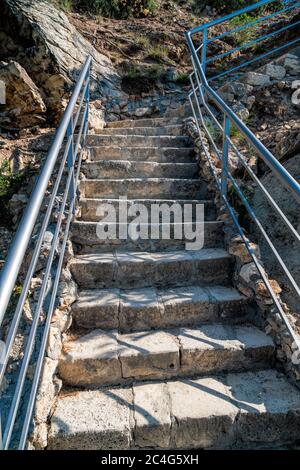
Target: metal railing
x=247 y=22
x=59 y=175
x=207 y=118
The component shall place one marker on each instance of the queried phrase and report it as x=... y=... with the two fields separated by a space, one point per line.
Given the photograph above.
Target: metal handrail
x=66 y=152
x=288 y=6
x=198 y=96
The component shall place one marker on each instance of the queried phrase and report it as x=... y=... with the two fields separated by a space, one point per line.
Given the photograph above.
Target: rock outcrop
x=51 y=50
x=24 y=106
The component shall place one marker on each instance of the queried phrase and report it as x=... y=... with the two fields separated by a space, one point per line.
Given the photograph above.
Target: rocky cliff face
x=41 y=39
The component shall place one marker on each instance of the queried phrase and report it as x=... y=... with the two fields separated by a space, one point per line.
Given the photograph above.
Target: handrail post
x=70 y=160
x=87 y=98
x=204 y=49
x=226 y=135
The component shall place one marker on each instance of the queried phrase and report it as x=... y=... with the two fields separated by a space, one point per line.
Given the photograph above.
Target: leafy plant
x=232 y=5
x=159 y=53
x=66 y=5
x=248 y=33
x=9 y=184
x=182 y=78
x=143 y=42
x=118 y=8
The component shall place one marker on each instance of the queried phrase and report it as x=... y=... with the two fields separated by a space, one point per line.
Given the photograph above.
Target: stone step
x=87 y=236
x=152 y=122
x=109 y=358
x=171 y=130
x=138 y=169
x=91 y=208
x=155 y=154
x=141 y=269
x=137 y=140
x=142 y=309
x=158 y=188
x=247 y=410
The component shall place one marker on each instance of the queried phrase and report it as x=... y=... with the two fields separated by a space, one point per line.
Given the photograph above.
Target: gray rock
x=24 y=106
x=292 y=64
x=257 y=79
x=58 y=51
x=277 y=72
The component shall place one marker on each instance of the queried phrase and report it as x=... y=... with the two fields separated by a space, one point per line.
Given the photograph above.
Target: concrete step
x=152 y=122
x=137 y=140
x=110 y=358
x=161 y=130
x=158 y=188
x=235 y=411
x=143 y=309
x=138 y=169
x=155 y=154
x=141 y=269
x=86 y=235
x=91 y=208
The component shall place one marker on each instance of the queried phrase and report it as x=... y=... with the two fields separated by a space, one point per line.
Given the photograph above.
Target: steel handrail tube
x=282 y=174
x=19 y=246
x=230 y=16
x=18 y=312
x=251 y=43
x=30 y=341
x=252 y=23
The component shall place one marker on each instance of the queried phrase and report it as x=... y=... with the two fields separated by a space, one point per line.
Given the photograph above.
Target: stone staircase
x=163 y=352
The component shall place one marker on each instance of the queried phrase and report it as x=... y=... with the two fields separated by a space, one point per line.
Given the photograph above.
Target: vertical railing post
x=204 y=50
x=70 y=160
x=87 y=100
x=203 y=58
x=226 y=135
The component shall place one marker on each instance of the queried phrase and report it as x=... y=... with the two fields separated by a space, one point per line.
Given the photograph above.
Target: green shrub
x=159 y=53
x=232 y=5
x=9 y=184
x=246 y=34
x=182 y=78
x=117 y=8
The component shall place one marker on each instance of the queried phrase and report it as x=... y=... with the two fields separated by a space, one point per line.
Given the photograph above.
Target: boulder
x=257 y=79
x=24 y=106
x=96 y=116
x=292 y=63
x=274 y=71
x=54 y=52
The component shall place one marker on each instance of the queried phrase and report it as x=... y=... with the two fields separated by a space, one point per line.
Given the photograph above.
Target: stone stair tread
x=147 y=122
x=159 y=154
x=157 y=179
x=138 y=140
x=89 y=206
x=85 y=234
x=236 y=410
x=144 y=269
x=138 y=309
x=171 y=130
x=109 y=357
x=140 y=169
x=159 y=188
x=138 y=257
